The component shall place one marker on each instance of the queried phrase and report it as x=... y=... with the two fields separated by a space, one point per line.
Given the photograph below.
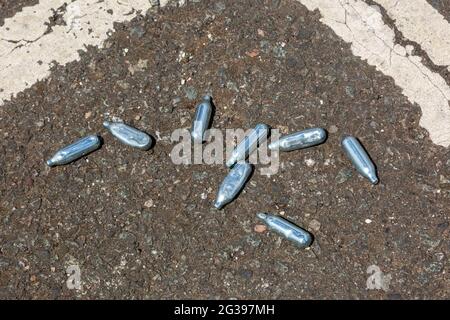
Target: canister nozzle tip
x=261 y=215
x=50 y=163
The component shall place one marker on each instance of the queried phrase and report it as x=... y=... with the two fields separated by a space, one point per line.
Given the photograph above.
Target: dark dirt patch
x=9 y=8
x=92 y=213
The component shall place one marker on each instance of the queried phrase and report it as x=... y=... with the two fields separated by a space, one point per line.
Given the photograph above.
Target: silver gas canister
x=287 y=229
x=129 y=135
x=299 y=140
x=233 y=184
x=75 y=151
x=360 y=159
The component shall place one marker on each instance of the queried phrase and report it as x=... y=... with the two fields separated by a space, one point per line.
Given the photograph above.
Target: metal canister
x=233 y=184
x=287 y=229
x=360 y=159
x=201 y=120
x=300 y=140
x=257 y=136
x=75 y=151
x=129 y=135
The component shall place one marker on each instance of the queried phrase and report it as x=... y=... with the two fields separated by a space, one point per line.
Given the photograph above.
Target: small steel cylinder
x=257 y=136
x=232 y=184
x=299 y=140
x=129 y=135
x=75 y=151
x=287 y=229
x=360 y=159
x=201 y=120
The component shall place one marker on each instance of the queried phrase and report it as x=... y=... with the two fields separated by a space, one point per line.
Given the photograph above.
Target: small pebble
x=191 y=93
x=310 y=162
x=343 y=175
x=253 y=53
x=260 y=228
x=350 y=91
x=314 y=225
x=148 y=203
x=333 y=129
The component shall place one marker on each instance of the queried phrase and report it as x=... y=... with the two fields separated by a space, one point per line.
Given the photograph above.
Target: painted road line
x=362 y=26
x=420 y=22
x=28 y=50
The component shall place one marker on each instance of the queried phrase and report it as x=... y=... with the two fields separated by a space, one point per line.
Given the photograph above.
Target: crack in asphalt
x=387 y=45
x=400 y=38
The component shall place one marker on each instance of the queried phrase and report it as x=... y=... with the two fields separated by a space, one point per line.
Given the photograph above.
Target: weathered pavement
x=138 y=226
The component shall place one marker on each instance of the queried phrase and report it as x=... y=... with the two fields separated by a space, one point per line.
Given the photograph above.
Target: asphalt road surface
x=125 y=223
